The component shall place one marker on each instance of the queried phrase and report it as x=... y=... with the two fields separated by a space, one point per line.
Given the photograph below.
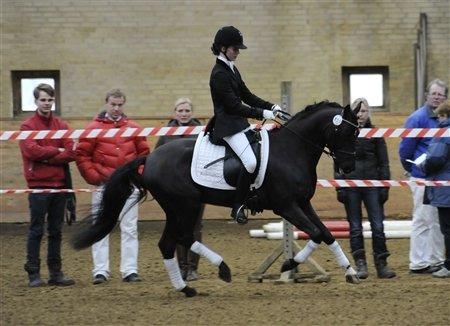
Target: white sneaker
x=442 y=273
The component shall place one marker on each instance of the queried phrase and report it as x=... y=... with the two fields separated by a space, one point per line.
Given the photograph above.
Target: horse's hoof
x=354 y=279
x=189 y=292
x=288 y=265
x=224 y=272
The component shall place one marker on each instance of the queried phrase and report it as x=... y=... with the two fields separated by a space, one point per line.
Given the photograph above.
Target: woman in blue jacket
x=437 y=167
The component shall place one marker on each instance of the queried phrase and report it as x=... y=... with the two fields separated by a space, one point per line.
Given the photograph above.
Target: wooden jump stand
x=289 y=248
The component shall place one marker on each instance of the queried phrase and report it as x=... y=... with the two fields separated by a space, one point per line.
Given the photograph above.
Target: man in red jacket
x=44 y=168
x=97 y=159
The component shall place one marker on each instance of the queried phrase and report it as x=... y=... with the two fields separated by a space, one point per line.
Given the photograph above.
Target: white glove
x=267 y=114
x=276 y=108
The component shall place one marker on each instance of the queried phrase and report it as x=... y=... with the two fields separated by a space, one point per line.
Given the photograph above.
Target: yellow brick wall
x=160 y=50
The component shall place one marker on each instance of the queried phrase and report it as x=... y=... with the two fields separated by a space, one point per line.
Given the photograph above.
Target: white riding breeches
x=427 y=241
x=129 y=239
x=240 y=145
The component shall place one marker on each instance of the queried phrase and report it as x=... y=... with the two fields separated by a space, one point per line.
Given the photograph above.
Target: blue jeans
x=353 y=207
x=51 y=206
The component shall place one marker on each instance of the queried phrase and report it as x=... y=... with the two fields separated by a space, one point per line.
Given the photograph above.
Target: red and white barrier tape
x=379 y=183
x=194 y=130
x=320 y=183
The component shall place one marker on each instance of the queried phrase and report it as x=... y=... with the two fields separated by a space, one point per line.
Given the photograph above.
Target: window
x=23 y=84
x=369 y=82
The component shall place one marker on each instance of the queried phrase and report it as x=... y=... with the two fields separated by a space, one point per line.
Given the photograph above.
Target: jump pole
x=288 y=247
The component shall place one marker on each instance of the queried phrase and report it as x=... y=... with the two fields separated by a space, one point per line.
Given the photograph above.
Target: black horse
x=288 y=187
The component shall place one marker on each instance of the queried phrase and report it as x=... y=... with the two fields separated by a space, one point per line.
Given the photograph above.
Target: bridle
x=338 y=119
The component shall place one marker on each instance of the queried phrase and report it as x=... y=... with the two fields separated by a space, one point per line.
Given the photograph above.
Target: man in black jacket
x=228 y=91
x=372 y=163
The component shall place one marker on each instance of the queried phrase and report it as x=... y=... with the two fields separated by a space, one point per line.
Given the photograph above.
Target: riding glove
x=384 y=195
x=267 y=114
x=341 y=195
x=276 y=108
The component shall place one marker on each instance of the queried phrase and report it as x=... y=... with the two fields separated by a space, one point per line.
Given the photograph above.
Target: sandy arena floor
x=405 y=300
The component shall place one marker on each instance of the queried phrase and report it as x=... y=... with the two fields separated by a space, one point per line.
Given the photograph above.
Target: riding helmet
x=229 y=36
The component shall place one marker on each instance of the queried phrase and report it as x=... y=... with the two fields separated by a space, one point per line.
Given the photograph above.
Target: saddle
x=217 y=166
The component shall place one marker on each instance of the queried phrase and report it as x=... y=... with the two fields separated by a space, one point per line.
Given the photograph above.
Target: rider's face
x=232 y=52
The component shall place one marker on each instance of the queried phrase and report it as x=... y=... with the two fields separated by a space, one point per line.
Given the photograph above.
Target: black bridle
x=330 y=152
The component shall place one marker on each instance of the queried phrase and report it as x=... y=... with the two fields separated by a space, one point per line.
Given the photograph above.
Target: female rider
x=228 y=92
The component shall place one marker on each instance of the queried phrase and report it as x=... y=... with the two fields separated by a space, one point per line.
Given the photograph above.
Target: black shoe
x=238 y=214
x=361 y=269
x=133 y=277
x=35 y=281
x=99 y=279
x=60 y=280
x=192 y=275
x=425 y=270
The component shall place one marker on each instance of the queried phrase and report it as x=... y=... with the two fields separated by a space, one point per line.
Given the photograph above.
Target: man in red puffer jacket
x=97 y=159
x=44 y=167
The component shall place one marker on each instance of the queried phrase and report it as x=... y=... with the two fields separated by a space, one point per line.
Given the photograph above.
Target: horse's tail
x=116 y=191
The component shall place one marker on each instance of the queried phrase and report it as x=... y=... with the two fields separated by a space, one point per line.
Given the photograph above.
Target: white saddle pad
x=212 y=176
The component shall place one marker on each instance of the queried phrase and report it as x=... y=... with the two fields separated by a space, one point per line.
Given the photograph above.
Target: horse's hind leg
x=186 y=238
x=167 y=245
x=333 y=245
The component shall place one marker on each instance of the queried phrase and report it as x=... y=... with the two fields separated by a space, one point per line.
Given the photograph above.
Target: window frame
x=18 y=75
x=366 y=70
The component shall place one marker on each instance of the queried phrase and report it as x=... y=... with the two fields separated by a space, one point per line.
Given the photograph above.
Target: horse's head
x=341 y=139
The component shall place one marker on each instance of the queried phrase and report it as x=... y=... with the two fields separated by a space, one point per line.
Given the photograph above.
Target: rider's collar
x=229 y=63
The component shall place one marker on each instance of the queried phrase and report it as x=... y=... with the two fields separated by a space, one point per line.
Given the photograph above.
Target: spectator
x=187 y=259
x=228 y=91
x=372 y=163
x=437 y=167
x=426 y=251
x=97 y=159
x=44 y=165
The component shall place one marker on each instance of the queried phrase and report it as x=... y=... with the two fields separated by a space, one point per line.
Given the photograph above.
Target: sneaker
x=99 y=279
x=192 y=276
x=425 y=270
x=442 y=273
x=133 y=277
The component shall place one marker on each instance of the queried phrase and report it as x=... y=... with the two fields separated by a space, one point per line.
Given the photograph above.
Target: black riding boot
x=57 y=277
x=34 y=276
x=383 y=271
x=242 y=189
x=361 y=264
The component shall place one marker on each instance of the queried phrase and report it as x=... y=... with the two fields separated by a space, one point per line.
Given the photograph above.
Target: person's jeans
x=353 y=207
x=444 y=221
x=51 y=206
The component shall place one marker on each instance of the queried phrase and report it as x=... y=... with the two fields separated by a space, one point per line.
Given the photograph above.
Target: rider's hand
x=275 y=108
x=267 y=114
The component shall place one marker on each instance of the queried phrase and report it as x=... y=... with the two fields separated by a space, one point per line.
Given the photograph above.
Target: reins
x=328 y=152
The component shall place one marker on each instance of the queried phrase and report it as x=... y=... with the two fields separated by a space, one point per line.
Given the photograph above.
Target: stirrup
x=239 y=215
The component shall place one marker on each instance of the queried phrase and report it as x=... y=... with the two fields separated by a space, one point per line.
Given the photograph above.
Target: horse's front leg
x=333 y=245
x=295 y=215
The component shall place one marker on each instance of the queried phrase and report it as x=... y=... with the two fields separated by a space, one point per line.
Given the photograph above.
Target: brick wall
x=159 y=50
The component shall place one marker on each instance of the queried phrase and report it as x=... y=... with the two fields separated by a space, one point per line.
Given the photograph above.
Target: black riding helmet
x=228 y=36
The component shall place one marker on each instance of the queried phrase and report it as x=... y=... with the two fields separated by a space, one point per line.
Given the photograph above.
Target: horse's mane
x=313 y=108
